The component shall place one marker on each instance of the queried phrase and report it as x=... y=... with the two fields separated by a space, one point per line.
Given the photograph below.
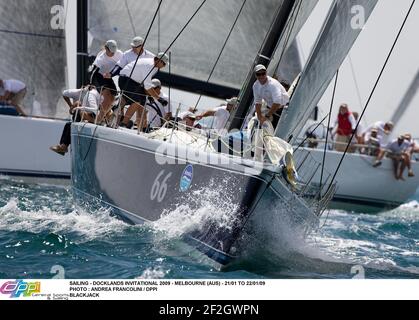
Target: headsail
x=33 y=51
x=198 y=47
x=336 y=39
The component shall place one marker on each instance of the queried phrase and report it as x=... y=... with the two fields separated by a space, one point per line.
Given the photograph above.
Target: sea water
x=43 y=234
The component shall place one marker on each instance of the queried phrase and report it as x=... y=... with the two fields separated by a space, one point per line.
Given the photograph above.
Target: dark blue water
x=40 y=227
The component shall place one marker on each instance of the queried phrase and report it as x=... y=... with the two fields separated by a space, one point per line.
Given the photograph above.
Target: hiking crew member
x=345 y=126
x=268 y=89
x=156 y=111
x=105 y=61
x=139 y=86
x=13 y=92
x=384 y=131
x=87 y=97
x=221 y=115
x=396 y=150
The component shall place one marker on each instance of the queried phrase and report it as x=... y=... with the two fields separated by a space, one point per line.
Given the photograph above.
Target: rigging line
x=158 y=31
x=372 y=93
x=221 y=52
x=130 y=18
x=296 y=12
x=318 y=125
x=327 y=133
x=145 y=39
x=358 y=91
x=31 y=34
x=178 y=35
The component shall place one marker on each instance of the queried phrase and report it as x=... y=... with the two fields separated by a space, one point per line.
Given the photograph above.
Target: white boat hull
x=24 y=149
x=360 y=186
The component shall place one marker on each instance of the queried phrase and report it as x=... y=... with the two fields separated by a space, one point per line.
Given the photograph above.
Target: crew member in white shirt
x=136 y=88
x=268 y=89
x=396 y=150
x=137 y=50
x=87 y=97
x=221 y=115
x=13 y=92
x=105 y=61
x=157 y=113
x=384 y=131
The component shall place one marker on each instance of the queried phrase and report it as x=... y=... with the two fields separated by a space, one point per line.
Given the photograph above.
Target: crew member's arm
x=7 y=96
x=353 y=122
x=274 y=109
x=258 y=105
x=206 y=114
x=259 y=114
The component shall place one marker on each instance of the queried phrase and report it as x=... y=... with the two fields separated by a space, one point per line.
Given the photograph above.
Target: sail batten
x=333 y=44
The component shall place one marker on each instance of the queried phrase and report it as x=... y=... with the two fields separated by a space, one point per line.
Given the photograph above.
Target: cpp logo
x=20 y=287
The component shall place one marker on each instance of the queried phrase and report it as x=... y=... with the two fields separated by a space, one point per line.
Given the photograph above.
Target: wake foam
x=88 y=226
x=211 y=204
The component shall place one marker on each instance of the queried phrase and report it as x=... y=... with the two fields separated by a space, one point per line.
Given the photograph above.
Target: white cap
x=156 y=83
x=233 y=101
x=163 y=57
x=111 y=45
x=136 y=42
x=187 y=114
x=260 y=67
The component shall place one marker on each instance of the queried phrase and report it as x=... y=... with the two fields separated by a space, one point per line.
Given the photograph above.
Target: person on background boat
x=105 y=61
x=345 y=126
x=157 y=113
x=384 y=131
x=139 y=86
x=268 y=89
x=373 y=144
x=413 y=148
x=397 y=151
x=221 y=115
x=87 y=97
x=13 y=92
x=359 y=131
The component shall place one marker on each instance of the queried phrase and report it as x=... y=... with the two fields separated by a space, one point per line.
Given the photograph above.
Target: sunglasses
x=260 y=74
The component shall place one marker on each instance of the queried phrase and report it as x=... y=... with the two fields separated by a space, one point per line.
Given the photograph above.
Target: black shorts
x=133 y=91
x=102 y=83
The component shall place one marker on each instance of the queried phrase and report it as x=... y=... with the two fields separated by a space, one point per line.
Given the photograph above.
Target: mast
x=264 y=57
x=82 y=45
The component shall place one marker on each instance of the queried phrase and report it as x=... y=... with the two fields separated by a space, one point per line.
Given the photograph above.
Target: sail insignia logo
x=20 y=288
x=186 y=179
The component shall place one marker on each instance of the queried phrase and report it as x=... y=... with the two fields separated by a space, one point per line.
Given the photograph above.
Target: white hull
x=24 y=149
x=360 y=185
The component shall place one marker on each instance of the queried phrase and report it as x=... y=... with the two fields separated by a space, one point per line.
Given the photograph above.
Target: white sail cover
x=336 y=39
x=33 y=51
x=196 y=51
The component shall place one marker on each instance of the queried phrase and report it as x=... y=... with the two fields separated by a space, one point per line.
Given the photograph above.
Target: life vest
x=344 y=125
